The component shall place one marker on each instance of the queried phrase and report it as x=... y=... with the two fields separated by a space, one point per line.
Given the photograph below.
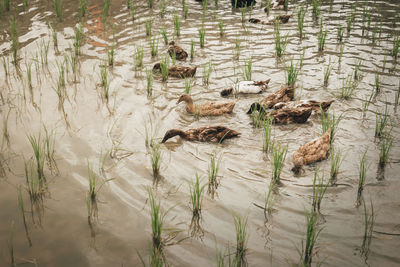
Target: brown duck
x=313 y=151
x=284 y=94
x=206 y=109
x=290 y=115
x=315 y=105
x=178 y=71
x=180 y=54
x=281 y=18
x=203 y=134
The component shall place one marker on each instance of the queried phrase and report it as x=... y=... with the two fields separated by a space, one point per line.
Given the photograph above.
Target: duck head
x=171 y=133
x=185 y=98
x=157 y=66
x=255 y=107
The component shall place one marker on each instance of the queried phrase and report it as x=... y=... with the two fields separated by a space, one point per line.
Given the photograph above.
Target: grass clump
x=278 y=158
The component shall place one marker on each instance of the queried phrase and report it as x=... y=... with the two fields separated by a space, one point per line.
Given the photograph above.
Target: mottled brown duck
x=203 y=134
x=313 y=151
x=178 y=71
x=206 y=109
x=284 y=94
x=180 y=54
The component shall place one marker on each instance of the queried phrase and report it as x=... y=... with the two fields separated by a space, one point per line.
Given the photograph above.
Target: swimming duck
x=284 y=94
x=313 y=151
x=178 y=71
x=315 y=105
x=246 y=87
x=281 y=18
x=203 y=134
x=242 y=3
x=180 y=54
x=290 y=115
x=206 y=109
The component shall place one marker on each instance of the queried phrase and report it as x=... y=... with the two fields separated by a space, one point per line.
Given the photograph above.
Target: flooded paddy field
x=84 y=174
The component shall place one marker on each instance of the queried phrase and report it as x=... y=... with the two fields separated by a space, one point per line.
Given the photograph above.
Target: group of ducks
x=278 y=106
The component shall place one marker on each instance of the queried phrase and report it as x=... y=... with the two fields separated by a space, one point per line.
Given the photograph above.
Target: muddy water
x=89 y=128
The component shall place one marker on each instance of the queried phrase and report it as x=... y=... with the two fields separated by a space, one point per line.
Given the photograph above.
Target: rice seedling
x=318 y=191
x=82 y=8
x=196 y=196
x=348 y=87
x=105 y=82
x=280 y=41
x=149 y=79
x=377 y=84
x=164 y=66
x=357 y=75
x=321 y=37
x=154 y=46
x=312 y=234
x=78 y=39
x=330 y=122
x=106 y=9
x=212 y=172
x=336 y=161
x=369 y=222
x=316 y=6
x=248 y=69
x=241 y=240
x=14 y=40
x=148 y=25
x=202 y=33
x=110 y=55
x=54 y=35
x=237 y=48
x=191 y=49
x=361 y=177
x=22 y=208
x=327 y=72
x=267 y=8
x=177 y=25
x=291 y=73
x=164 y=35
x=163 y=7
x=94 y=187
x=397 y=96
x=188 y=85
x=138 y=58
x=278 y=158
x=221 y=28
x=151 y=3
x=382 y=120
x=157 y=222
x=39 y=155
x=155 y=157
x=207 y=70
x=386 y=146
x=10 y=244
x=58 y=6
x=267 y=142
x=301 y=12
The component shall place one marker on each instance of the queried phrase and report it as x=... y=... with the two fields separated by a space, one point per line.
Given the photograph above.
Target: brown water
x=88 y=127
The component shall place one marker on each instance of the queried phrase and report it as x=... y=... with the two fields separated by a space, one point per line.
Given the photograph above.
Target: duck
x=178 y=71
x=289 y=115
x=242 y=3
x=285 y=94
x=246 y=87
x=203 y=134
x=206 y=109
x=180 y=54
x=315 y=105
x=281 y=18
x=313 y=151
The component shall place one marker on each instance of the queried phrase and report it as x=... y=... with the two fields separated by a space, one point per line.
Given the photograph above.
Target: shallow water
x=89 y=128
